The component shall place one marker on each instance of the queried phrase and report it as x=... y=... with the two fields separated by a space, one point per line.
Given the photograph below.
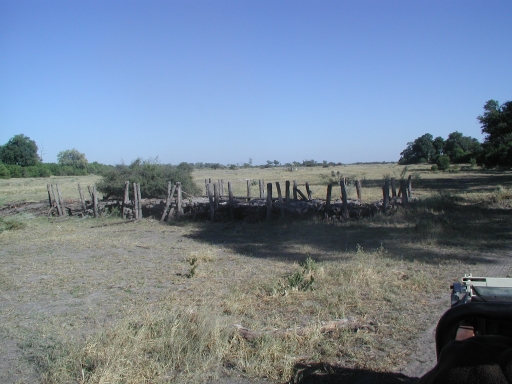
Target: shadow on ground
x=327 y=374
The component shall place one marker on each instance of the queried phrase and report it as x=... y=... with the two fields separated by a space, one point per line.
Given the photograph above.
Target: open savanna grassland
x=101 y=301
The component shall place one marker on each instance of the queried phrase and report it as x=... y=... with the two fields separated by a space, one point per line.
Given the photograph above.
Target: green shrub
x=151 y=176
x=4 y=172
x=443 y=162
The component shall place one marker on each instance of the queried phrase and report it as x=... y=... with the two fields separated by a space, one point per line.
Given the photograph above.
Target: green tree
x=4 y=172
x=19 y=150
x=443 y=163
x=73 y=158
x=496 y=124
x=421 y=150
x=460 y=148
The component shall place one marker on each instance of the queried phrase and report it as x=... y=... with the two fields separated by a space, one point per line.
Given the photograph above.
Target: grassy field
x=99 y=301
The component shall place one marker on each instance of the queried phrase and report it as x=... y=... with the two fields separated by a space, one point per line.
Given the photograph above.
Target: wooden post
x=221 y=187
x=140 y=200
x=409 y=186
x=82 y=200
x=308 y=191
x=358 y=189
x=179 y=208
x=403 y=189
x=294 y=190
x=385 y=193
x=135 y=202
x=126 y=198
x=280 y=197
x=248 y=189
x=216 y=195
x=393 y=187
x=287 y=192
x=50 y=194
x=262 y=189
x=94 y=201
x=231 y=202
x=344 y=203
x=269 y=201
x=171 y=211
x=206 y=186
x=167 y=202
x=90 y=191
x=56 y=199
x=328 y=201
x=212 y=204
x=61 y=200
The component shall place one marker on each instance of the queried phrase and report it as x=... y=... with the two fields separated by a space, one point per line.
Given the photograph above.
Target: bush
x=153 y=178
x=443 y=162
x=4 y=172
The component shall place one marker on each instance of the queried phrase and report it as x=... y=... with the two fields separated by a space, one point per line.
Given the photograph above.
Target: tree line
x=19 y=157
x=496 y=150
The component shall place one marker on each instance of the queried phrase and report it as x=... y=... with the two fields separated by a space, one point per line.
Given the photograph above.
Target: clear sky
x=228 y=80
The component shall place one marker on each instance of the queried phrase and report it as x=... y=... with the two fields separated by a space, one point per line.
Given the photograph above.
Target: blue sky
x=224 y=81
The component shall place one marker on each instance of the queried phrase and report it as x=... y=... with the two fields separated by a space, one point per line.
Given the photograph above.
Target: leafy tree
x=421 y=150
x=496 y=123
x=460 y=148
x=19 y=150
x=438 y=144
x=72 y=157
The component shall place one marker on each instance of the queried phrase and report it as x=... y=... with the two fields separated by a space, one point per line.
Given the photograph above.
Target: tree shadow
x=323 y=373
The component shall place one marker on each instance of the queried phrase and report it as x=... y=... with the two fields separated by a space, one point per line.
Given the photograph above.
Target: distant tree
x=421 y=150
x=19 y=150
x=73 y=158
x=276 y=163
x=496 y=124
x=460 y=148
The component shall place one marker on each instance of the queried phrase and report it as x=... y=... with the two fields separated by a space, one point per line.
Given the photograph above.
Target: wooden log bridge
x=216 y=206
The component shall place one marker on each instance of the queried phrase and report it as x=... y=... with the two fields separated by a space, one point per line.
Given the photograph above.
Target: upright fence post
x=403 y=189
x=287 y=192
x=61 y=200
x=308 y=191
x=179 y=208
x=328 y=201
x=358 y=189
x=216 y=194
x=140 y=200
x=385 y=193
x=135 y=202
x=212 y=204
x=94 y=201
x=82 y=200
x=269 y=201
x=294 y=190
x=126 y=198
x=231 y=202
x=56 y=199
x=393 y=187
x=280 y=197
x=221 y=187
x=344 y=202
x=168 y=201
x=50 y=195
x=248 y=189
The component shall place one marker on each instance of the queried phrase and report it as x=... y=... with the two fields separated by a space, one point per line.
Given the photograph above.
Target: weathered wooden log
x=94 y=201
x=126 y=199
x=248 y=189
x=179 y=202
x=308 y=191
x=280 y=198
x=216 y=195
x=328 y=201
x=56 y=199
x=231 y=202
x=295 y=190
x=302 y=196
x=358 y=189
x=82 y=200
x=49 y=195
x=212 y=204
x=61 y=200
x=344 y=208
x=269 y=201
x=403 y=190
x=385 y=194
x=135 y=202
x=287 y=192
x=393 y=187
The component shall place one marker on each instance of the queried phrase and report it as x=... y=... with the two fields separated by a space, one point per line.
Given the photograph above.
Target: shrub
x=4 y=172
x=443 y=162
x=151 y=176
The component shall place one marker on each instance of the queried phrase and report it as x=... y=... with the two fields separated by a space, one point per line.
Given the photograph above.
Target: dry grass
x=91 y=304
